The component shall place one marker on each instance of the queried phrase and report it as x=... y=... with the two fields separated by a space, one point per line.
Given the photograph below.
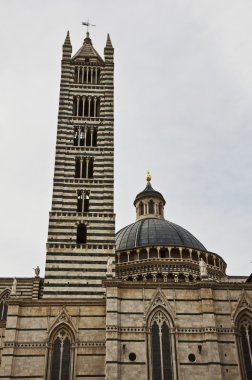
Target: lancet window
x=4 y=306
x=81 y=233
x=85 y=136
x=84 y=167
x=61 y=356
x=151 y=207
x=245 y=337
x=141 y=208
x=86 y=106
x=160 y=348
x=83 y=200
x=87 y=74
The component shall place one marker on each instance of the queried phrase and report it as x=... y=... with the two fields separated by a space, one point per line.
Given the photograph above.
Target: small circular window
x=191 y=358
x=132 y=356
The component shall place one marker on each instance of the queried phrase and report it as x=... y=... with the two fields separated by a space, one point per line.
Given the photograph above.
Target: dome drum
x=172 y=260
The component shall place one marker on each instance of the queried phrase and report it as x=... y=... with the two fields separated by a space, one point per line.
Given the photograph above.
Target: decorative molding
x=45 y=344
x=62 y=319
x=91 y=344
x=24 y=344
x=159 y=300
x=244 y=303
x=125 y=329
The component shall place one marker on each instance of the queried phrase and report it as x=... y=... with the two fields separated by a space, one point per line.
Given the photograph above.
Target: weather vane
x=87 y=24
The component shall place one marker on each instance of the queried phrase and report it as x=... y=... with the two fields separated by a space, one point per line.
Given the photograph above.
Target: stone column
x=77 y=106
x=81 y=164
x=89 y=105
x=83 y=105
x=96 y=75
x=82 y=74
x=91 y=136
x=87 y=166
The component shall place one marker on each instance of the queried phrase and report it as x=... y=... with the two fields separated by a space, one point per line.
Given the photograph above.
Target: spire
x=67 y=39
x=109 y=51
x=67 y=47
x=109 y=43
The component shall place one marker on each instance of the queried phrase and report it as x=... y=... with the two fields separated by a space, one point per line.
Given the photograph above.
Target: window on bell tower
x=87 y=74
x=86 y=106
x=83 y=200
x=84 y=167
x=85 y=136
x=81 y=234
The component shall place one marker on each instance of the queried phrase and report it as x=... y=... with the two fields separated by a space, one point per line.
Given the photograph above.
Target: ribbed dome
x=152 y=231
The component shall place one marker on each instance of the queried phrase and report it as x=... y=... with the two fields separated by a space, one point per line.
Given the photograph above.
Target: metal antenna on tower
x=87 y=24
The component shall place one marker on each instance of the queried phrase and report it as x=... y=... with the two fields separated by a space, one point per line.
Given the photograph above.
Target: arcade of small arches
x=86 y=106
x=85 y=136
x=150 y=207
x=87 y=75
x=167 y=263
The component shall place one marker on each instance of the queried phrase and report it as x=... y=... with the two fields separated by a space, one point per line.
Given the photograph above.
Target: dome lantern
x=149 y=203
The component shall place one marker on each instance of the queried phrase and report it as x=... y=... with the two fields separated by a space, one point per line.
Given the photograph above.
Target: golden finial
x=148 y=176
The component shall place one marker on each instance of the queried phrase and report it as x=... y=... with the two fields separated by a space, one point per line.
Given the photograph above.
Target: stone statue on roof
x=14 y=286
x=37 y=271
x=110 y=265
x=202 y=268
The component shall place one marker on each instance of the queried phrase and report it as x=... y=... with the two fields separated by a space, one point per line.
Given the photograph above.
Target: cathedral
x=149 y=302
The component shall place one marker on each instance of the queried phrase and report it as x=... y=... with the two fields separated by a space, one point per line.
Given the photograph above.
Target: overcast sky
x=183 y=95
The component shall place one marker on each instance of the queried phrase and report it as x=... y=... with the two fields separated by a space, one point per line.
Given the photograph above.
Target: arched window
x=86 y=106
x=87 y=74
x=81 y=234
x=83 y=201
x=245 y=344
x=151 y=207
x=4 y=305
x=161 y=367
x=160 y=210
x=61 y=356
x=85 y=136
x=84 y=167
x=141 y=208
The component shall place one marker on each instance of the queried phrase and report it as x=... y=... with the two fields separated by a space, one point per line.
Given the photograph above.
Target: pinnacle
x=67 y=40
x=109 y=43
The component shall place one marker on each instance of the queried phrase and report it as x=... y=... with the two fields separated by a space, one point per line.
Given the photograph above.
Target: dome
x=154 y=232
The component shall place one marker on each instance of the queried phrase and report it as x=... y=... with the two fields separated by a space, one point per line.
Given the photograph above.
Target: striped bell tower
x=81 y=233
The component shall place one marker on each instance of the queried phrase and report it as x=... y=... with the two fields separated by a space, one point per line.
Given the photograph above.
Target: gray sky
x=183 y=94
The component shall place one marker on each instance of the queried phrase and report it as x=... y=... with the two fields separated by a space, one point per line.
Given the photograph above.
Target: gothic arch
x=61 y=346
x=4 y=296
x=159 y=300
x=243 y=324
x=161 y=345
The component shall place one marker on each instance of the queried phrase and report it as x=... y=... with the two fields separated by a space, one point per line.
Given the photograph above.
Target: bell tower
x=81 y=234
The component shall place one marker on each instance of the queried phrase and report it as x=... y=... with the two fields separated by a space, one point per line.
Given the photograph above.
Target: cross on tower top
x=87 y=24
